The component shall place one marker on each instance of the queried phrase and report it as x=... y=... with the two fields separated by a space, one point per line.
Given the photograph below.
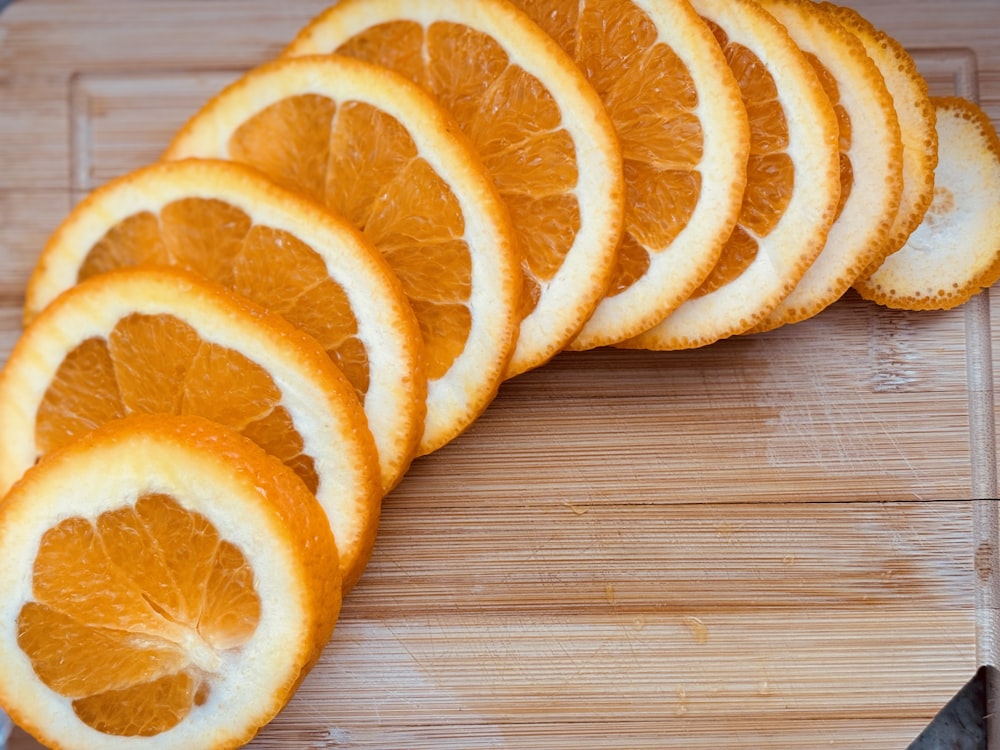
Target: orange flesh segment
x=770 y=172
x=832 y=90
x=531 y=158
x=660 y=134
x=220 y=242
x=321 y=309
x=739 y=252
x=159 y=364
x=132 y=242
x=289 y=141
x=188 y=597
x=361 y=163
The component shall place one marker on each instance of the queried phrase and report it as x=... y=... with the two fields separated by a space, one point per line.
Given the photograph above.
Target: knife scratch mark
x=892 y=352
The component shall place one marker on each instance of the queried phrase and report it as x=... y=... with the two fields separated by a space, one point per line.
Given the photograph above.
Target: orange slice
x=163 y=341
x=871 y=158
x=237 y=228
x=793 y=182
x=375 y=148
x=178 y=599
x=685 y=139
x=916 y=122
x=955 y=251
x=539 y=127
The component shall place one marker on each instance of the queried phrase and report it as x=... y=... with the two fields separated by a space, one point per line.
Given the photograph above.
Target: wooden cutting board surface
x=772 y=541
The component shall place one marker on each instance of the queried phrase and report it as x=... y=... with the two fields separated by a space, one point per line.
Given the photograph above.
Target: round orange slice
x=915 y=113
x=793 y=182
x=683 y=129
x=176 y=600
x=163 y=341
x=955 y=251
x=538 y=125
x=871 y=157
x=232 y=225
x=375 y=148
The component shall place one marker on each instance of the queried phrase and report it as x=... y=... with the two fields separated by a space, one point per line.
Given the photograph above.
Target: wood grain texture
x=769 y=542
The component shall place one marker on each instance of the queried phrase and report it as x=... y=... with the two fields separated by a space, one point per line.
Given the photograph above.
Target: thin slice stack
x=685 y=139
x=236 y=228
x=871 y=159
x=792 y=189
x=163 y=341
x=163 y=578
x=539 y=127
x=915 y=113
x=375 y=148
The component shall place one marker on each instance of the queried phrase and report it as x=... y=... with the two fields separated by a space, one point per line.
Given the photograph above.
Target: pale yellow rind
x=569 y=298
x=955 y=251
x=396 y=398
x=322 y=404
x=860 y=232
x=254 y=502
x=455 y=400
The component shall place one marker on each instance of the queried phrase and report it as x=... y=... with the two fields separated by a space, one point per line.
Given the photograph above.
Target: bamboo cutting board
x=773 y=541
